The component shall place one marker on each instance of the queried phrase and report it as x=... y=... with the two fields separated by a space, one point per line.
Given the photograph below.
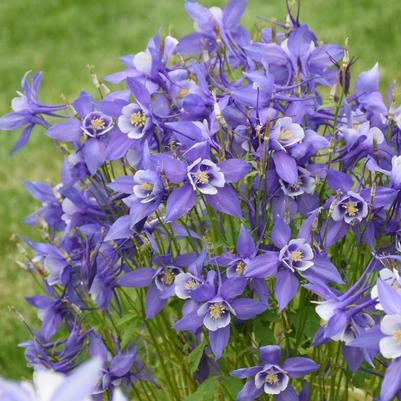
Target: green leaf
x=263 y=334
x=358 y=380
x=232 y=386
x=128 y=316
x=205 y=391
x=127 y=336
x=195 y=356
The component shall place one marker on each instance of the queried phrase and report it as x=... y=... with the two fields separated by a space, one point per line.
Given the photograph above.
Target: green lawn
x=60 y=37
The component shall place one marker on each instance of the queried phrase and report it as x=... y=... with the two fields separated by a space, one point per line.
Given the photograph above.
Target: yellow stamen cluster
x=395 y=285
x=190 y=284
x=98 y=123
x=240 y=268
x=216 y=310
x=397 y=336
x=272 y=378
x=146 y=186
x=138 y=120
x=285 y=135
x=183 y=92
x=350 y=208
x=167 y=277
x=296 y=256
x=202 y=177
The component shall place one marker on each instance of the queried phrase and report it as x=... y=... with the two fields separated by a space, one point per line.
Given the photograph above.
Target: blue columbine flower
x=148 y=186
x=96 y=124
x=286 y=134
x=217 y=302
x=351 y=208
x=273 y=377
x=297 y=255
x=205 y=176
x=134 y=122
x=28 y=111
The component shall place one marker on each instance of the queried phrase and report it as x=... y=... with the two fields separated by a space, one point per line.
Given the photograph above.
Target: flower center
x=190 y=284
x=202 y=177
x=397 y=336
x=183 y=92
x=138 y=120
x=272 y=378
x=296 y=256
x=240 y=268
x=285 y=135
x=146 y=57
x=216 y=310
x=97 y=123
x=351 y=208
x=146 y=186
x=395 y=285
x=296 y=186
x=167 y=277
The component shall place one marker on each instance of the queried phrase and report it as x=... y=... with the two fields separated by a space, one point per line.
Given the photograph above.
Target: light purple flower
x=184 y=284
x=272 y=377
x=96 y=124
x=216 y=314
x=134 y=122
x=205 y=176
x=305 y=184
x=286 y=134
x=148 y=186
x=297 y=255
x=351 y=208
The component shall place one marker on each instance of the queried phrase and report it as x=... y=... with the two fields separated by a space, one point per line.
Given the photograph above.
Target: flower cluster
x=233 y=191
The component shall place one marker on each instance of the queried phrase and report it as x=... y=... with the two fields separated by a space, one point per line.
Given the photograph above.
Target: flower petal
x=286 y=288
x=139 y=278
x=180 y=202
x=286 y=167
x=226 y=201
x=219 y=340
x=299 y=366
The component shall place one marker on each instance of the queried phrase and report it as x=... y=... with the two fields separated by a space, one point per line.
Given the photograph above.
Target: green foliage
x=205 y=391
x=195 y=356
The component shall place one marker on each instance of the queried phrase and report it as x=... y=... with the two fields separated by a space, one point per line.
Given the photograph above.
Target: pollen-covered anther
x=183 y=92
x=146 y=186
x=285 y=135
x=216 y=311
x=167 y=277
x=202 y=177
x=190 y=284
x=138 y=119
x=296 y=256
x=240 y=268
x=350 y=208
x=98 y=123
x=272 y=378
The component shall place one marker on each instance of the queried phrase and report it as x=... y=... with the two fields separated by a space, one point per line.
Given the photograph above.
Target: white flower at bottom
x=52 y=386
x=390 y=346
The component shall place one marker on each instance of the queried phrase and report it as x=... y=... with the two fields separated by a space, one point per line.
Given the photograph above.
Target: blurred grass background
x=60 y=37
